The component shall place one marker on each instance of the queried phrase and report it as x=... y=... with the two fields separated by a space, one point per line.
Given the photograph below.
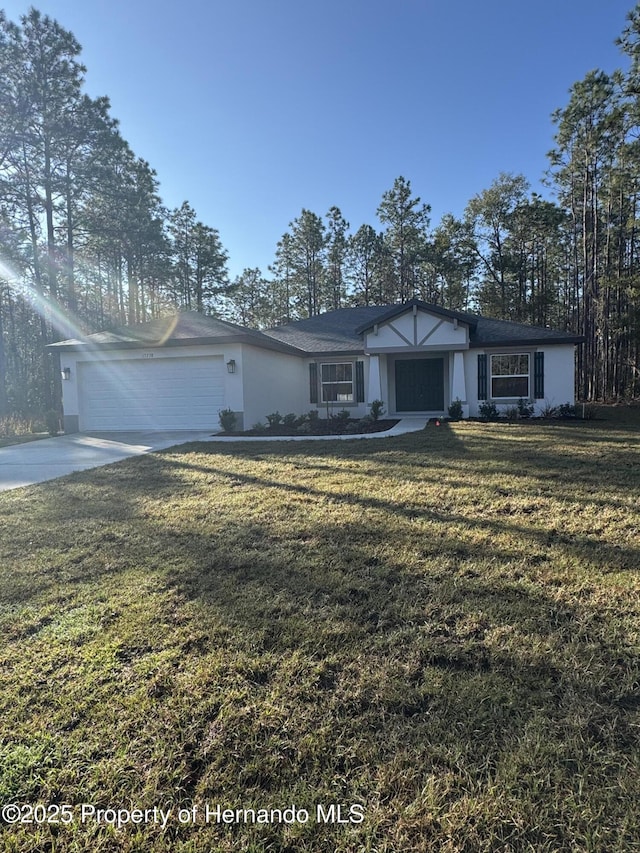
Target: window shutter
x=538 y=376
x=313 y=382
x=482 y=376
x=359 y=381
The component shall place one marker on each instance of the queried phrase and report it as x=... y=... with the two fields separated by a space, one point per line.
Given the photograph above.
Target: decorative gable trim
x=400 y=335
x=435 y=329
x=417 y=330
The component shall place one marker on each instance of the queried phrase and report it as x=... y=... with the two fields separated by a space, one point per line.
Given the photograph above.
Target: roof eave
x=93 y=346
x=527 y=342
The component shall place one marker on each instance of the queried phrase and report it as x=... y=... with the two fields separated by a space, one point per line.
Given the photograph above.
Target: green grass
x=443 y=627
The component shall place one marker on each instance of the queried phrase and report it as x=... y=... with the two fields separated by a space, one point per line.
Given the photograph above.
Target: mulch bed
x=321 y=427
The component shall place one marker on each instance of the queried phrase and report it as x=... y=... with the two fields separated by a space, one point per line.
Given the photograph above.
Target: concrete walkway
x=38 y=461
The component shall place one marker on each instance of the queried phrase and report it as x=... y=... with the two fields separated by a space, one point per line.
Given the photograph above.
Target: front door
x=420 y=385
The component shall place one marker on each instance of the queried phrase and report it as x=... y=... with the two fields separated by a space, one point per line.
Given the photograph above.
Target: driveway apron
x=38 y=461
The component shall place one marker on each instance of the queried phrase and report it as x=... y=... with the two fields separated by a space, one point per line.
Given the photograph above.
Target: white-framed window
x=336 y=382
x=510 y=374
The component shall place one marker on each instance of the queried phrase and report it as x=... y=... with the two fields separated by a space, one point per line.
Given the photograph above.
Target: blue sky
x=254 y=109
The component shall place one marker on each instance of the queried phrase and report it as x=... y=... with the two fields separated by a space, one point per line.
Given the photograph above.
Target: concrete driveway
x=37 y=461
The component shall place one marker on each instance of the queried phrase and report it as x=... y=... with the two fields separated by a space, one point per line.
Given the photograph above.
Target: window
x=337 y=383
x=510 y=375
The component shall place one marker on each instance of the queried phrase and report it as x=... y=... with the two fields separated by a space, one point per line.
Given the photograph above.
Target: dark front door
x=420 y=385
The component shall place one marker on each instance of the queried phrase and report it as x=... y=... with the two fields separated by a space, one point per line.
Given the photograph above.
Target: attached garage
x=119 y=394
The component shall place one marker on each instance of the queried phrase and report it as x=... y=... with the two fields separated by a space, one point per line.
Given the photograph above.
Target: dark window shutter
x=313 y=382
x=482 y=376
x=359 y=381
x=538 y=376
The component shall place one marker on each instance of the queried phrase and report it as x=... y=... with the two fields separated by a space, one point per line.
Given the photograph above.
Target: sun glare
x=48 y=308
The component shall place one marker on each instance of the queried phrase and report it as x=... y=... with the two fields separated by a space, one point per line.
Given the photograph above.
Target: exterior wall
x=471 y=380
x=271 y=382
x=458 y=388
x=355 y=409
x=559 y=377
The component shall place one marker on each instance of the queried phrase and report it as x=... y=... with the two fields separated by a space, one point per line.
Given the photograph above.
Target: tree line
x=86 y=242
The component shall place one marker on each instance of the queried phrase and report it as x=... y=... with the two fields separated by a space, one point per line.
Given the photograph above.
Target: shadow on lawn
x=351 y=632
x=588 y=547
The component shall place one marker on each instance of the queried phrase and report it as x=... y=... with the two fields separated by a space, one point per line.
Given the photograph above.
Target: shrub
x=489 y=411
x=274 y=419
x=377 y=410
x=455 y=410
x=313 y=416
x=290 y=419
x=548 y=411
x=566 y=410
x=304 y=428
x=525 y=410
x=343 y=415
x=512 y=413
x=227 y=420
x=52 y=420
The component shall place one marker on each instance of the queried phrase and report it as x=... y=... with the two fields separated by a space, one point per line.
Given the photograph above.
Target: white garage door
x=145 y=394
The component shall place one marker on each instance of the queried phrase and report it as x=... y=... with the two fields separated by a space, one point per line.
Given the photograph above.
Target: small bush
x=274 y=419
x=304 y=428
x=512 y=413
x=525 y=409
x=343 y=415
x=227 y=420
x=566 y=410
x=259 y=427
x=548 y=411
x=455 y=410
x=377 y=410
x=290 y=419
x=313 y=416
x=52 y=420
x=489 y=411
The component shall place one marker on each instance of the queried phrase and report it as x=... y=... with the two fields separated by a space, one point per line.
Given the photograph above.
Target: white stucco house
x=179 y=372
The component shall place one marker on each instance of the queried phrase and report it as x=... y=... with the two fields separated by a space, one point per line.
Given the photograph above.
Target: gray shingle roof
x=489 y=332
x=343 y=330
x=335 y=331
x=340 y=331
x=185 y=329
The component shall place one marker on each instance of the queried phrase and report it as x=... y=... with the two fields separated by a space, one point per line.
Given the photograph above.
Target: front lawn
x=442 y=628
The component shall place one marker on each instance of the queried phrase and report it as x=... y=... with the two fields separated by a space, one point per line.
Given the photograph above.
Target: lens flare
x=49 y=308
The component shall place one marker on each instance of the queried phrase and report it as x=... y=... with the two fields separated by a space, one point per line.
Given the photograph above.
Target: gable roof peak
x=414 y=304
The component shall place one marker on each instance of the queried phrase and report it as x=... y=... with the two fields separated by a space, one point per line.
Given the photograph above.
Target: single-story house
x=179 y=372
